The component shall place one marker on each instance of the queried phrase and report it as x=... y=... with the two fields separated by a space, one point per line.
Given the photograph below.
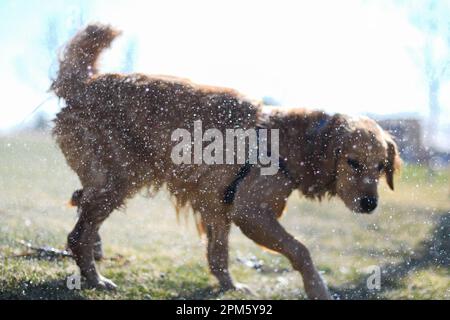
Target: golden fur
x=115 y=132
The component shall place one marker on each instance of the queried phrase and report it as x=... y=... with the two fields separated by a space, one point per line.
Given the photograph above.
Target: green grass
x=151 y=256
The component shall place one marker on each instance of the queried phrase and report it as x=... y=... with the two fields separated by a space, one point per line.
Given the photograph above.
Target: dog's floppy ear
x=393 y=162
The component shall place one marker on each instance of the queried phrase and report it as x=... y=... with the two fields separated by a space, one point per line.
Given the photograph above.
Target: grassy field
x=151 y=256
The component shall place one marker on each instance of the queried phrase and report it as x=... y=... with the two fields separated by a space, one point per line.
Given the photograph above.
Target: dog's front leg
x=217 y=231
x=255 y=211
x=264 y=229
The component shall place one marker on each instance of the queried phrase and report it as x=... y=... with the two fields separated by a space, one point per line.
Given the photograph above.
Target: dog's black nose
x=368 y=204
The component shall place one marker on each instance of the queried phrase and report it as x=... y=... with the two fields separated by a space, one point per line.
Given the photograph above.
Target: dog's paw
x=320 y=293
x=107 y=284
x=243 y=288
x=238 y=287
x=101 y=283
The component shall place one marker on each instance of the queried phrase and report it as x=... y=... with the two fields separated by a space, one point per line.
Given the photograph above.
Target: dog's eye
x=381 y=166
x=354 y=164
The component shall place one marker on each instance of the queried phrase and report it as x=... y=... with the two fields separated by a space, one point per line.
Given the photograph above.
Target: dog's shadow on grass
x=203 y=293
x=48 y=290
x=434 y=251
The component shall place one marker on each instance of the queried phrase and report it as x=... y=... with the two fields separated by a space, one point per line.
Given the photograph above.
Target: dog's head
x=359 y=154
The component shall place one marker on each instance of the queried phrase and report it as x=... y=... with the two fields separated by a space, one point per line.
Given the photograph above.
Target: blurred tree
x=41 y=122
x=130 y=56
x=51 y=43
x=59 y=29
x=432 y=17
x=270 y=101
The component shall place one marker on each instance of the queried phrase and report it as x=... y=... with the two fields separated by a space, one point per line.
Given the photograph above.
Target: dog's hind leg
x=98 y=249
x=95 y=207
x=262 y=227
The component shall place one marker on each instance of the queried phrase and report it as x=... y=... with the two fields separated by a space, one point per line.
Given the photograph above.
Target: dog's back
x=121 y=125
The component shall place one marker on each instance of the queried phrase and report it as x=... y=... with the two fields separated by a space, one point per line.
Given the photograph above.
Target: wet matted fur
x=115 y=132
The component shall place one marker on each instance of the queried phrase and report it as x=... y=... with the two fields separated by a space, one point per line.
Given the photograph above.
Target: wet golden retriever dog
x=115 y=132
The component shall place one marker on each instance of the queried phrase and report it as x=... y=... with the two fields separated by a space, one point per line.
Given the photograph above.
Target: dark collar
x=230 y=191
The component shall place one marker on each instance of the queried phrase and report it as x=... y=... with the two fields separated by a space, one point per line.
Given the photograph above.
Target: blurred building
x=408 y=134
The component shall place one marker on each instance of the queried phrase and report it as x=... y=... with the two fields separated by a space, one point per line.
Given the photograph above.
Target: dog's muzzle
x=368 y=204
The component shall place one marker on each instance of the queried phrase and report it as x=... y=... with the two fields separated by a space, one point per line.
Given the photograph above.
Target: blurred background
x=386 y=59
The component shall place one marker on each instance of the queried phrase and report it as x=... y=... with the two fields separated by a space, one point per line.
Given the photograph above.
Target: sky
x=350 y=56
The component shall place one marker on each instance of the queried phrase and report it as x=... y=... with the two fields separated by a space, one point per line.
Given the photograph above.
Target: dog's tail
x=78 y=61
